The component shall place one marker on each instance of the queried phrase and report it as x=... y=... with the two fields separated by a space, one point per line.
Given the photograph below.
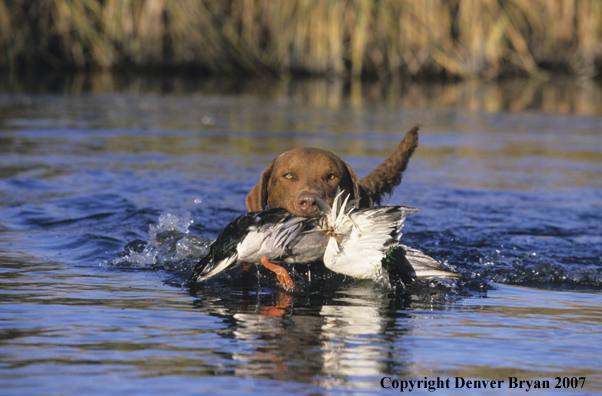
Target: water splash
x=169 y=244
x=553 y=261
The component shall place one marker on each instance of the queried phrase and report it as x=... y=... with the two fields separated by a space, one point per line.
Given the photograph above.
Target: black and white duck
x=349 y=241
x=360 y=238
x=265 y=237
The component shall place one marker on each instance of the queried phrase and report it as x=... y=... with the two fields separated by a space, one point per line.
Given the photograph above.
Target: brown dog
x=295 y=178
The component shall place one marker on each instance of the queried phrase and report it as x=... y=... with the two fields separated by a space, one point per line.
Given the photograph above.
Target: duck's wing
x=378 y=221
x=283 y=231
x=364 y=240
x=422 y=265
x=425 y=266
x=378 y=228
x=207 y=267
x=279 y=228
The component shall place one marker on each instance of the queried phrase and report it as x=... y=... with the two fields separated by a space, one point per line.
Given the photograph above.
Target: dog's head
x=295 y=178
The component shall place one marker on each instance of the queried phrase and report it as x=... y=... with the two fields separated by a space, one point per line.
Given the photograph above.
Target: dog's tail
x=387 y=175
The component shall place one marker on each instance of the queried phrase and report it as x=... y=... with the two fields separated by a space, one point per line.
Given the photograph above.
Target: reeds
x=456 y=38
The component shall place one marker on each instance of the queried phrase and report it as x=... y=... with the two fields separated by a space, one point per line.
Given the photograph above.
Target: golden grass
x=456 y=38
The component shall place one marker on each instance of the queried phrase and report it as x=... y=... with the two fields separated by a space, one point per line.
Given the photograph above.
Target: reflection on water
x=559 y=95
x=341 y=339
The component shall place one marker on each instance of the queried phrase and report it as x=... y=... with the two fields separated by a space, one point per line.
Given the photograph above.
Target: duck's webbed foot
x=281 y=273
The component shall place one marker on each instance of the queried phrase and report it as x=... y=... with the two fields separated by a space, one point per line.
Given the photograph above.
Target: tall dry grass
x=459 y=38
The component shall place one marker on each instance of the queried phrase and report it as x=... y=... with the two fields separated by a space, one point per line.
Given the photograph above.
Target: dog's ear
x=365 y=201
x=258 y=197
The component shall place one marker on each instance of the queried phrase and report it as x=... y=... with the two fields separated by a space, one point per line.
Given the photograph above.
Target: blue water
x=108 y=197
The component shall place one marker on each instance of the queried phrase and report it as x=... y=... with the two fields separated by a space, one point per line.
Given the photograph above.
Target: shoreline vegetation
x=386 y=39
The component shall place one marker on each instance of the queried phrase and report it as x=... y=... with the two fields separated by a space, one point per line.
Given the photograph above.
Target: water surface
x=108 y=197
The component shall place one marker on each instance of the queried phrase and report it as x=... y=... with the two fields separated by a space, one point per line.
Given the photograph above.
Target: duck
x=358 y=239
x=364 y=244
x=349 y=241
x=265 y=238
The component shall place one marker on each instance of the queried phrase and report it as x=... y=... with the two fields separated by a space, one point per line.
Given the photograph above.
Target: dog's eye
x=331 y=176
x=288 y=176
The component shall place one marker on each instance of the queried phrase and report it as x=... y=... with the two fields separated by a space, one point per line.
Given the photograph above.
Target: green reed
x=454 y=38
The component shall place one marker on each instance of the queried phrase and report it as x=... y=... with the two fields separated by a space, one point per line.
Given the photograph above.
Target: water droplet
x=206 y=120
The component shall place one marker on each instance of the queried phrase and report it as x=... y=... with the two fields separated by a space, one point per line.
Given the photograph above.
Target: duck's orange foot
x=281 y=274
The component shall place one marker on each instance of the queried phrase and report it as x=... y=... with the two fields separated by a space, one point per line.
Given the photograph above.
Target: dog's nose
x=307 y=204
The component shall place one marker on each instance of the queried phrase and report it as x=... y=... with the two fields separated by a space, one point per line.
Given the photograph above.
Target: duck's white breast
x=252 y=247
